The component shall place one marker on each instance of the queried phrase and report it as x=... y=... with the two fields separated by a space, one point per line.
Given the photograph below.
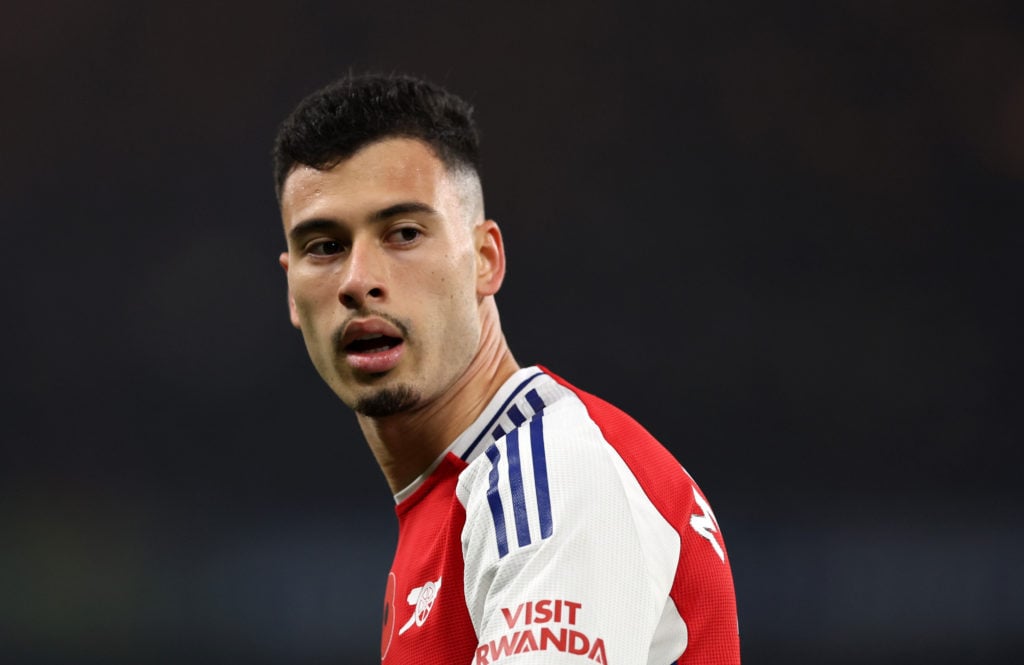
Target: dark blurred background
x=786 y=237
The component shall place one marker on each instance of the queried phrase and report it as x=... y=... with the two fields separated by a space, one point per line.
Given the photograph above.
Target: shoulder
x=560 y=441
x=522 y=483
x=577 y=461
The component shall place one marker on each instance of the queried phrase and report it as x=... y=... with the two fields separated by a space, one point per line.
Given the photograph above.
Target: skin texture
x=392 y=241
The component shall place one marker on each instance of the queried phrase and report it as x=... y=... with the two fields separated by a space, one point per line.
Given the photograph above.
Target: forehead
x=379 y=175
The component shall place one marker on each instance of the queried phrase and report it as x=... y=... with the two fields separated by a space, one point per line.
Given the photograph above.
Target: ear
x=283 y=260
x=490 y=258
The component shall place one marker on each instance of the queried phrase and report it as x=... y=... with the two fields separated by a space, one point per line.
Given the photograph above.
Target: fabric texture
x=556 y=529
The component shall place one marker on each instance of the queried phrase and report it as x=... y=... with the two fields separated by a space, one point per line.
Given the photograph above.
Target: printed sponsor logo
x=532 y=627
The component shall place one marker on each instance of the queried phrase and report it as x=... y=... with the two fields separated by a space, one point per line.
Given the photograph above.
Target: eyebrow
x=318 y=224
x=401 y=209
x=312 y=226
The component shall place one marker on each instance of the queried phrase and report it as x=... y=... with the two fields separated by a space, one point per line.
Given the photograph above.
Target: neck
x=406 y=444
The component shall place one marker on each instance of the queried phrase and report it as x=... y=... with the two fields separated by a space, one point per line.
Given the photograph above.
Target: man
x=537 y=523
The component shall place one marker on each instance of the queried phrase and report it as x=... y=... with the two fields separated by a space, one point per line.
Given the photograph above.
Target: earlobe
x=490 y=258
x=292 y=314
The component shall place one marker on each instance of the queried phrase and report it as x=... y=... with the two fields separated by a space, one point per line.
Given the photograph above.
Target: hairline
x=463 y=174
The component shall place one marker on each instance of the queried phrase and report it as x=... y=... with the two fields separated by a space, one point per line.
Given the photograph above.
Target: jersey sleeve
x=703 y=589
x=566 y=558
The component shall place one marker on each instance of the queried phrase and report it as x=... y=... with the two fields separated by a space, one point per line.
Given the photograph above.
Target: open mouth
x=373 y=343
x=373 y=346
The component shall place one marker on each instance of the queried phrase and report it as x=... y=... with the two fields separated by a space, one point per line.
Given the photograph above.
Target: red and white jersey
x=557 y=530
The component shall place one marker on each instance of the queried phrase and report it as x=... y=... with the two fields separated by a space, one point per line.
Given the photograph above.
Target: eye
x=404 y=235
x=324 y=247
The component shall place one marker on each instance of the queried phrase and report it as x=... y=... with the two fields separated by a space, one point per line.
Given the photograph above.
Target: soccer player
x=538 y=524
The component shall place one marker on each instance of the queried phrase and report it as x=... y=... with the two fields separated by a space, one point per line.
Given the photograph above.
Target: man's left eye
x=405 y=234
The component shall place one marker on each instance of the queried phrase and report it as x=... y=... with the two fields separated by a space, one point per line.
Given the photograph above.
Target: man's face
x=383 y=275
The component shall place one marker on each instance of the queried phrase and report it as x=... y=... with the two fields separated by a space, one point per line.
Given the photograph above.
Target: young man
x=537 y=523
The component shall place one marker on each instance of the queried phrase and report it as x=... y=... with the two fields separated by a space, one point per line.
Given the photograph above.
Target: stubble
x=386 y=402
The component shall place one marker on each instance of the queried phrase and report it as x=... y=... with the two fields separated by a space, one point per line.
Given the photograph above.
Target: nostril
x=353 y=297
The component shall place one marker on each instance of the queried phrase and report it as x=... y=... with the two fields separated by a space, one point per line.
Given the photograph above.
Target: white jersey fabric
x=555 y=529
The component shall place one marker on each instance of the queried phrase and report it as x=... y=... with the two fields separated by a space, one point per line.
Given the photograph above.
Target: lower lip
x=375 y=362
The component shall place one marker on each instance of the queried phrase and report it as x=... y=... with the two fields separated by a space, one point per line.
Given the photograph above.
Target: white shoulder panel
x=563 y=550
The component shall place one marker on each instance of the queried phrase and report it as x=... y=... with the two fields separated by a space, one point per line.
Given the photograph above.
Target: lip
x=360 y=328
x=372 y=362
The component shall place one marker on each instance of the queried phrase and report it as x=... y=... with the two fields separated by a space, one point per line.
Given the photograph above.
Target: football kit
x=555 y=529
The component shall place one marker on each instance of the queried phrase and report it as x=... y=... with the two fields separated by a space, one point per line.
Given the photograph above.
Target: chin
x=386 y=402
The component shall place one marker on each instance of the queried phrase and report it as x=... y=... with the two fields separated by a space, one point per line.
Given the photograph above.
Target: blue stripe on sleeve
x=494 y=499
x=515 y=479
x=540 y=475
x=499 y=414
x=535 y=401
x=498 y=433
x=516 y=415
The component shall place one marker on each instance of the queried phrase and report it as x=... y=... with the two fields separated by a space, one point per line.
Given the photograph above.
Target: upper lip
x=359 y=329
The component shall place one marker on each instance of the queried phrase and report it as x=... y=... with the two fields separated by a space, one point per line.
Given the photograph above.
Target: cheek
x=446 y=280
x=315 y=325
x=461 y=314
x=311 y=294
x=301 y=305
x=446 y=307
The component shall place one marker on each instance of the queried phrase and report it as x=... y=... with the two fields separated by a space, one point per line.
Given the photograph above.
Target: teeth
x=373 y=336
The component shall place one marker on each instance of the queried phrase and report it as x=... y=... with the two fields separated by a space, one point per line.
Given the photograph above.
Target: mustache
x=339 y=333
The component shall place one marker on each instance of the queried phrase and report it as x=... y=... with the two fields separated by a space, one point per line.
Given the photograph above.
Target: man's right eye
x=324 y=247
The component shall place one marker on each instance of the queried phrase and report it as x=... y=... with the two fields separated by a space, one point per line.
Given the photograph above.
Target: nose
x=363 y=279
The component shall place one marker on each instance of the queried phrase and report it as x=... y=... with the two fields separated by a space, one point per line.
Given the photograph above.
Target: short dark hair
x=335 y=122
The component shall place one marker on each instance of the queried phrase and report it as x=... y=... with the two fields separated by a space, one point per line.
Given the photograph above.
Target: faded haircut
x=335 y=122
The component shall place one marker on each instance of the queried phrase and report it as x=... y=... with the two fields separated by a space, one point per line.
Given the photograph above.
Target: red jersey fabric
x=557 y=530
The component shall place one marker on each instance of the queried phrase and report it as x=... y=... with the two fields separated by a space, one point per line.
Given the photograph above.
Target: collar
x=516 y=401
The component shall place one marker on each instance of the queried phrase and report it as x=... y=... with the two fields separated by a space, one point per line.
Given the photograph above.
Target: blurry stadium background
x=785 y=236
